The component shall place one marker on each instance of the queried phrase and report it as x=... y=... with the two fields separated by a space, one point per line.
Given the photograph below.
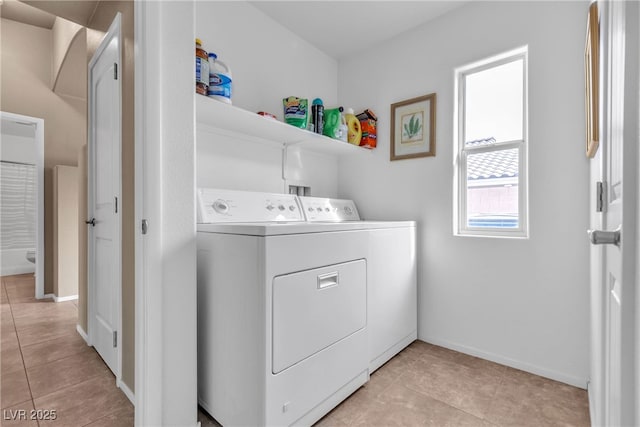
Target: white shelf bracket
x=283 y=166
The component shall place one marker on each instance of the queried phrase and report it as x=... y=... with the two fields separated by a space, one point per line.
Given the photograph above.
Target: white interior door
x=104 y=208
x=616 y=296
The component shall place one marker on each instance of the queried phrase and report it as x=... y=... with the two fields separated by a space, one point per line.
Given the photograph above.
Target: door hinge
x=116 y=204
x=115 y=71
x=115 y=338
x=145 y=226
x=600 y=196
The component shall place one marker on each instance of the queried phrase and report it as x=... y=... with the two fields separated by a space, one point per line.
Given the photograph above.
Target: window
x=491 y=148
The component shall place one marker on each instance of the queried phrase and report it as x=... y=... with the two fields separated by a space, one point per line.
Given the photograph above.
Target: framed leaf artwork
x=591 y=68
x=413 y=128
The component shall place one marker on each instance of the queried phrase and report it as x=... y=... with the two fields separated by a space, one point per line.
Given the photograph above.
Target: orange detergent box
x=368 y=123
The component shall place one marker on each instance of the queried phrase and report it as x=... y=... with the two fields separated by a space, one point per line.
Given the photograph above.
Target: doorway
x=64 y=109
x=23 y=158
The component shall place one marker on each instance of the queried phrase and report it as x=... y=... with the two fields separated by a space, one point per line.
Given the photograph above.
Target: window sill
x=515 y=235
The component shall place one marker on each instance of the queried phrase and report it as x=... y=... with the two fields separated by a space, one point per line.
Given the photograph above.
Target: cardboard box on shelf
x=368 y=123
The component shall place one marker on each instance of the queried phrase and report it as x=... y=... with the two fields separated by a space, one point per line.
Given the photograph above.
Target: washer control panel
x=244 y=206
x=329 y=210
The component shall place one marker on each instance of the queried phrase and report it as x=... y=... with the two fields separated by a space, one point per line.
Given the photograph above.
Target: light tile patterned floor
x=427 y=385
x=47 y=366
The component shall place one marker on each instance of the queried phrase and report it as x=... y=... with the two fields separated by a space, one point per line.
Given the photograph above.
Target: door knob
x=92 y=222
x=600 y=237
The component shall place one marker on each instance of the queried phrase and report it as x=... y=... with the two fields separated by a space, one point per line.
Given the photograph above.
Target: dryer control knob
x=270 y=207
x=348 y=210
x=281 y=207
x=220 y=206
x=292 y=208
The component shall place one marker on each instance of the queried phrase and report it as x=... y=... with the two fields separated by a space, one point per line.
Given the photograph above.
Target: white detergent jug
x=219 y=80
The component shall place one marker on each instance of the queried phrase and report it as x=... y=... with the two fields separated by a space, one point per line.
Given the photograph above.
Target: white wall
x=238 y=164
x=268 y=63
x=524 y=303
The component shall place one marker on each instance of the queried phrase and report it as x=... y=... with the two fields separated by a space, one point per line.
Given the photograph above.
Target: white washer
x=282 y=310
x=391 y=276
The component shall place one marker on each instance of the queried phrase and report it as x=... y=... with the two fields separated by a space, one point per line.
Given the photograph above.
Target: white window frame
x=461 y=152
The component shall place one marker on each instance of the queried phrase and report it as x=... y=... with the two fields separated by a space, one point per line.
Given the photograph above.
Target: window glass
x=493 y=103
x=492 y=189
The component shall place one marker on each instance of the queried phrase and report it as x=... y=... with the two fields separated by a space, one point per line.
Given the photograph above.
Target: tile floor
x=427 y=385
x=47 y=366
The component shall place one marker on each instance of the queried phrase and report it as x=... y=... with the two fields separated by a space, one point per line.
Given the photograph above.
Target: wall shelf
x=215 y=116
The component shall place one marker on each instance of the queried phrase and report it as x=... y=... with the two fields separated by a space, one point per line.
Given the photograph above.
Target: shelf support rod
x=283 y=166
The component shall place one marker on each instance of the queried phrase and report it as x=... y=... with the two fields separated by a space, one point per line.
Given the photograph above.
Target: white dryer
x=282 y=310
x=391 y=276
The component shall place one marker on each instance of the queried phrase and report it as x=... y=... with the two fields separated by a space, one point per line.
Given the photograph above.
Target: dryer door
x=316 y=308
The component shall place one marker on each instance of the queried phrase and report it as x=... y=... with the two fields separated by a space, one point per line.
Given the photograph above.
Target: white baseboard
x=62 y=299
x=127 y=391
x=83 y=334
x=592 y=404
x=391 y=352
x=517 y=364
x=14 y=270
x=48 y=296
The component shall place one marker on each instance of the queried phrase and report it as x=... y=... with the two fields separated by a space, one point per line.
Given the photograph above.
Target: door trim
x=148 y=253
x=114 y=32
x=39 y=137
x=141 y=370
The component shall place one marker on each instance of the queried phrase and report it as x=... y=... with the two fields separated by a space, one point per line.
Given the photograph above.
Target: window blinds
x=17 y=206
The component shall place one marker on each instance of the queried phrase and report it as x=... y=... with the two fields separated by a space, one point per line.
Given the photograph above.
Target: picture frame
x=413 y=128
x=591 y=81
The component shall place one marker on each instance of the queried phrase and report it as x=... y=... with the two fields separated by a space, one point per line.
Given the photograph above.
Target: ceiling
x=21 y=12
x=340 y=28
x=78 y=11
x=43 y=13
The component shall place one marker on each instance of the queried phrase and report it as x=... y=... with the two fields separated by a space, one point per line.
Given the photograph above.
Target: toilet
x=31 y=256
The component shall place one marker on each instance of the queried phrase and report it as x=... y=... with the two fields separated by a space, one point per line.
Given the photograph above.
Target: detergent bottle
x=202 y=69
x=332 y=120
x=219 y=79
x=354 y=132
x=342 y=132
x=317 y=115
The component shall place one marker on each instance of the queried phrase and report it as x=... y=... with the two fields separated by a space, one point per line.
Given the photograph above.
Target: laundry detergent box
x=368 y=124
